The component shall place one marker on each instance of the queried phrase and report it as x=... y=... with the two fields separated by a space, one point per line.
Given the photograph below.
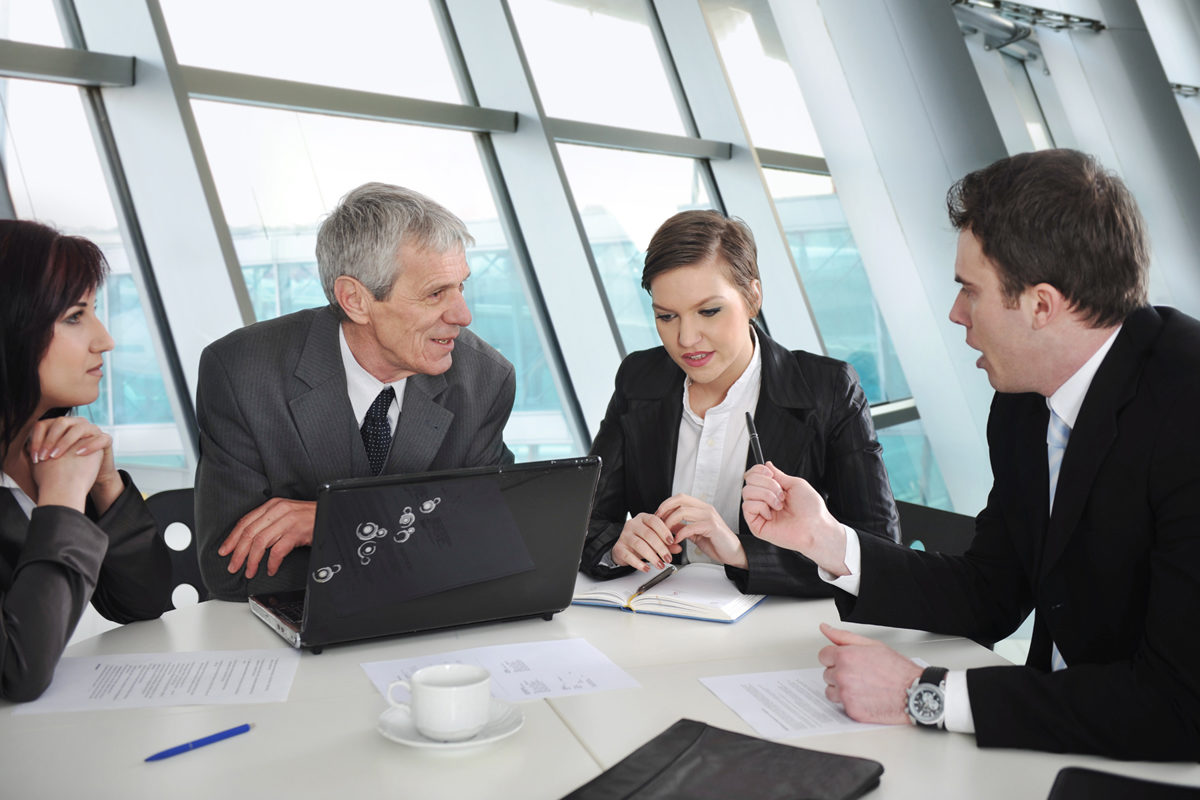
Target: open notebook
x=696 y=591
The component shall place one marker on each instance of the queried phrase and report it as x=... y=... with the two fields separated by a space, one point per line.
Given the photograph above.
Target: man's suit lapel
x=422 y=427
x=1113 y=386
x=322 y=413
x=1028 y=449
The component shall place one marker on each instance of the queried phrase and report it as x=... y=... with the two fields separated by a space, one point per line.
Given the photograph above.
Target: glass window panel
x=48 y=146
x=912 y=469
x=389 y=46
x=32 y=21
x=597 y=61
x=766 y=87
x=623 y=197
x=836 y=282
x=279 y=173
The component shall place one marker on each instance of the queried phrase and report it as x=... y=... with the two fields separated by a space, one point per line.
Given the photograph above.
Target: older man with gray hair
x=385 y=379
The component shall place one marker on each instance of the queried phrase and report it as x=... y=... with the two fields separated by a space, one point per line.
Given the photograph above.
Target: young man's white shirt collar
x=363 y=387
x=1068 y=398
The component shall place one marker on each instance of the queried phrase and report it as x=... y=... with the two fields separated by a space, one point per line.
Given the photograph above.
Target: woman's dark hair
x=1058 y=217
x=691 y=237
x=43 y=273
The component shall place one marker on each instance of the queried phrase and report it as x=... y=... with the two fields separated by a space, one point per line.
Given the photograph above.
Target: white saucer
x=504 y=720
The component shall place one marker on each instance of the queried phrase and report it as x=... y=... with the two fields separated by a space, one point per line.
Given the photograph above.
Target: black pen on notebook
x=667 y=572
x=755 y=445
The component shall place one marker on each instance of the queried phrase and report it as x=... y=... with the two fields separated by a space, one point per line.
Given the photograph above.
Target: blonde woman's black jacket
x=813 y=421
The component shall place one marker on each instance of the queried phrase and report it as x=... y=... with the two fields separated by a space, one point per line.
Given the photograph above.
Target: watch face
x=925 y=704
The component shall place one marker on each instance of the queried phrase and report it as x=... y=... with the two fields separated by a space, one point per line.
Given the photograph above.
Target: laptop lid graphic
x=405 y=553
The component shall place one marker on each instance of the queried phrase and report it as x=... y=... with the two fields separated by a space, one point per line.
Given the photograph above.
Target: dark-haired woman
x=674 y=442
x=72 y=527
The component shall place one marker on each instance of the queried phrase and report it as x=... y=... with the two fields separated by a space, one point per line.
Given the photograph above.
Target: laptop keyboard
x=292 y=611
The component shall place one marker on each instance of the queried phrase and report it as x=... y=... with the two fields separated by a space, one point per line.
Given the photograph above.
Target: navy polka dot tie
x=376 y=434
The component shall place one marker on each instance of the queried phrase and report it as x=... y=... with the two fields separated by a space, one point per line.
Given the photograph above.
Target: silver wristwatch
x=927 y=699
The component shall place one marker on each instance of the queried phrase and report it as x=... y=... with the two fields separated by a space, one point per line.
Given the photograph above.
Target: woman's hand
x=689 y=518
x=71 y=458
x=644 y=540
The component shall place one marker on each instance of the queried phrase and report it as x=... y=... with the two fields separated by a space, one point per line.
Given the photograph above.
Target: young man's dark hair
x=1058 y=217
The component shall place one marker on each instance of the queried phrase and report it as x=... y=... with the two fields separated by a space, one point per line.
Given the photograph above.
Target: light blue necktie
x=1057 y=434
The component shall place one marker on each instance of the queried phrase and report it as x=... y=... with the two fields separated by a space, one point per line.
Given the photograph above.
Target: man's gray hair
x=362 y=237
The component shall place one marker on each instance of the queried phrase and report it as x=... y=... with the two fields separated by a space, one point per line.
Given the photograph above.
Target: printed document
x=147 y=680
x=785 y=704
x=524 y=671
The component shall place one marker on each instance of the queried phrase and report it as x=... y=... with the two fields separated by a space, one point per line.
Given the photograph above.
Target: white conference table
x=322 y=742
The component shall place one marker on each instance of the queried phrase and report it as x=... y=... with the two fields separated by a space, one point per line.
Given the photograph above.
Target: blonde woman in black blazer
x=811 y=414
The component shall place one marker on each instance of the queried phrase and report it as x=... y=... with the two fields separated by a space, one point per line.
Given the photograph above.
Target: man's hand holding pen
x=788 y=512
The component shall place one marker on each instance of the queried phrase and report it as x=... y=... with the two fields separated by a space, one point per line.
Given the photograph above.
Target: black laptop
x=405 y=553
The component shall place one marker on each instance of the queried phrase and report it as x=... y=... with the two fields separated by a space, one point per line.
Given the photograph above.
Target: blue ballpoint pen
x=216 y=737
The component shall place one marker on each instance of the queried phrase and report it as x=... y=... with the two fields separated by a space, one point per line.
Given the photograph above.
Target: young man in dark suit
x=385 y=379
x=1092 y=520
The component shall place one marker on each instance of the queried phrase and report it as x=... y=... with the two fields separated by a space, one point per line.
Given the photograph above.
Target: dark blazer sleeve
x=65 y=558
x=610 y=507
x=830 y=443
x=135 y=579
x=231 y=477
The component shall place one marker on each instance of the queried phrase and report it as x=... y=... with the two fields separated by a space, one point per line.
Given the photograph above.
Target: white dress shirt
x=1066 y=402
x=710 y=457
x=363 y=387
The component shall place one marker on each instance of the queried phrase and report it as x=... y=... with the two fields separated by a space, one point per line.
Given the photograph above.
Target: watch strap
x=935 y=676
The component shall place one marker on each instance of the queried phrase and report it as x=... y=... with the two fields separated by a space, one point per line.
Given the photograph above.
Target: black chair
x=938 y=531
x=177 y=505
x=925 y=528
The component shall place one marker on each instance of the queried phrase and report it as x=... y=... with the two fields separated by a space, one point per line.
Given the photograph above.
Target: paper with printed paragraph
x=150 y=680
x=785 y=704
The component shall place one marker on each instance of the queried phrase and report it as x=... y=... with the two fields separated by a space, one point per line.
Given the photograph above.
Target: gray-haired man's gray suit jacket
x=275 y=421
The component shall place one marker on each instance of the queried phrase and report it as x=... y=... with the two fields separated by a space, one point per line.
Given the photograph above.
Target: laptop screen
x=400 y=541
x=404 y=553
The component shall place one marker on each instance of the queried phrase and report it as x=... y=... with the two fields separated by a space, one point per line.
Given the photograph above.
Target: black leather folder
x=694 y=760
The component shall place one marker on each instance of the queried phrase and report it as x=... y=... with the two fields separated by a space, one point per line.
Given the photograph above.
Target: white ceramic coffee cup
x=450 y=702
